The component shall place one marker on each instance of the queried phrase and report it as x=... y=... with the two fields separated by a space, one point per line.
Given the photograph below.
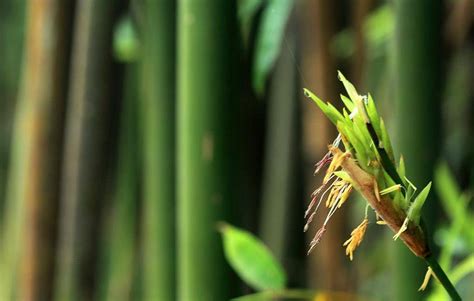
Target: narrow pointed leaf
x=387 y=145
x=351 y=90
x=414 y=212
x=321 y=104
x=358 y=146
x=401 y=168
x=373 y=116
x=333 y=114
x=348 y=103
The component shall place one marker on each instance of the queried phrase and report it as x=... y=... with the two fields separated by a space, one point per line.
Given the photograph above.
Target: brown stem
x=363 y=182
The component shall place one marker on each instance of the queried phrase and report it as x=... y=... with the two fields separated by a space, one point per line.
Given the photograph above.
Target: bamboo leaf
x=360 y=129
x=328 y=109
x=351 y=90
x=399 y=201
x=247 y=10
x=373 y=116
x=321 y=104
x=269 y=39
x=347 y=102
x=414 y=212
x=352 y=138
x=450 y=197
x=333 y=114
x=401 y=168
x=387 y=145
x=462 y=269
x=126 y=44
x=251 y=259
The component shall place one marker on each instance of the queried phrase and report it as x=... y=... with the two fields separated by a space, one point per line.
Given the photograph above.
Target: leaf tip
x=222 y=226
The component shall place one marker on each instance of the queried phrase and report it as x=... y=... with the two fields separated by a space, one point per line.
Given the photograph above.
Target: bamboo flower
x=356 y=238
x=361 y=159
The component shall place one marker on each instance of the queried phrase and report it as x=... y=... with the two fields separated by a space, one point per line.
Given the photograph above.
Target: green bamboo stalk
x=88 y=135
x=418 y=91
x=157 y=108
x=280 y=166
x=206 y=108
x=28 y=238
x=120 y=231
x=12 y=27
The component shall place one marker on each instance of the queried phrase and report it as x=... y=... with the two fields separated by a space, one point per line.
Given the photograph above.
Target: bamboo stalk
x=12 y=28
x=157 y=108
x=119 y=239
x=320 y=66
x=88 y=135
x=29 y=237
x=418 y=92
x=280 y=166
x=206 y=109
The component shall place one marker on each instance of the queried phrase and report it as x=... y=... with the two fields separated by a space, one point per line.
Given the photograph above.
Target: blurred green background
x=129 y=129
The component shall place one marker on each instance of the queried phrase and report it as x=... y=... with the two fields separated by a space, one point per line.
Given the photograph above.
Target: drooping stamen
x=328 y=156
x=338 y=188
x=426 y=280
x=402 y=229
x=315 y=195
x=357 y=235
x=335 y=203
x=323 y=162
x=317 y=238
x=310 y=219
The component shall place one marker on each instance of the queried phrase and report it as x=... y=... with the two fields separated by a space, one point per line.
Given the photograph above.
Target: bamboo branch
x=413 y=237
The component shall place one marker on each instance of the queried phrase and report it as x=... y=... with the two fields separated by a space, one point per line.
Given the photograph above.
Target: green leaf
x=401 y=168
x=126 y=44
x=343 y=44
x=447 y=188
x=351 y=90
x=450 y=196
x=378 y=31
x=414 y=212
x=387 y=145
x=251 y=259
x=348 y=103
x=269 y=40
x=462 y=269
x=294 y=294
x=373 y=116
x=333 y=114
x=321 y=104
x=379 y=28
x=360 y=152
x=247 y=10
x=399 y=201
x=362 y=132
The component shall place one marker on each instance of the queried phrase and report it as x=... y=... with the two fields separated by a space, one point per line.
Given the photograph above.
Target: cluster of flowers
x=361 y=158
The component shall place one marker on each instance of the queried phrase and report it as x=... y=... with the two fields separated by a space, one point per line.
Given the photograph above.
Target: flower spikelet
x=357 y=235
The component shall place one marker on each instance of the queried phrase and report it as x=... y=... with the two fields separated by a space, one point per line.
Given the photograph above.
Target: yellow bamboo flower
x=357 y=235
